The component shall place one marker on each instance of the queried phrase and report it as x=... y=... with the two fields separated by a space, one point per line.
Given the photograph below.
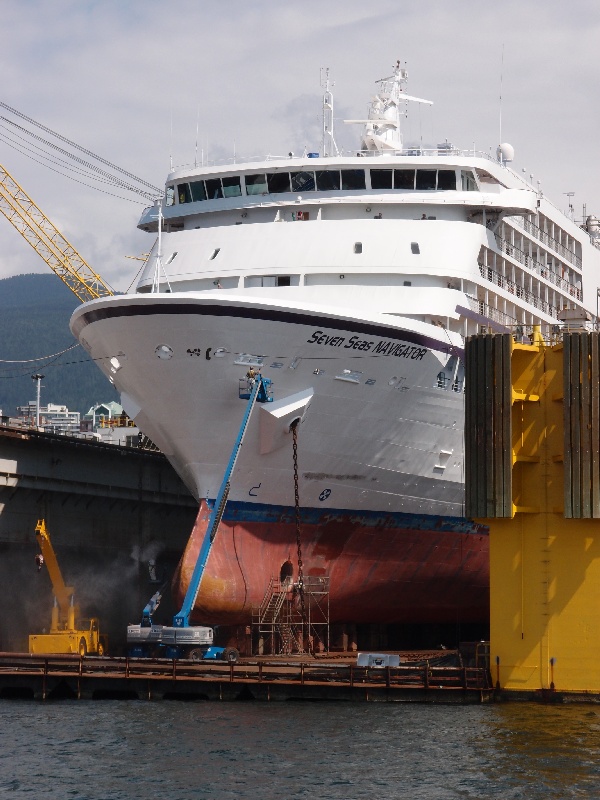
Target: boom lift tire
x=231 y=655
x=196 y=654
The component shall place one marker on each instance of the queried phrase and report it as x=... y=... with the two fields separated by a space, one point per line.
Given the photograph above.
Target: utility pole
x=38 y=378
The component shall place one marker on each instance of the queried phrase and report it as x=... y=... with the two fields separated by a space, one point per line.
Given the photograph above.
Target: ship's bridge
x=437 y=179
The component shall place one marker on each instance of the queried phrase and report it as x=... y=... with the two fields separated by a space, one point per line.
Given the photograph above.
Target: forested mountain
x=34 y=323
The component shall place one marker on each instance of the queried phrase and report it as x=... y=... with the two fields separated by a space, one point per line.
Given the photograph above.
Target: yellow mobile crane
x=68 y=634
x=60 y=255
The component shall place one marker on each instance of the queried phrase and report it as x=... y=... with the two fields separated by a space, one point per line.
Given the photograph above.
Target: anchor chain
x=294 y=428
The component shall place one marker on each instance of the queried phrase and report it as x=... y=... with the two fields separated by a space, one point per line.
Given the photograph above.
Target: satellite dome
x=505 y=152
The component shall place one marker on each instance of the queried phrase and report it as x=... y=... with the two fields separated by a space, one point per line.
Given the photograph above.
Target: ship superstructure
x=351 y=282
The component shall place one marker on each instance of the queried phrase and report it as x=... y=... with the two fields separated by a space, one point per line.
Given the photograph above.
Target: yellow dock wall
x=545 y=603
x=544 y=568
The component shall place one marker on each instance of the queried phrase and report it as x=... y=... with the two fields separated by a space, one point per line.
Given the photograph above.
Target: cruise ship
x=351 y=282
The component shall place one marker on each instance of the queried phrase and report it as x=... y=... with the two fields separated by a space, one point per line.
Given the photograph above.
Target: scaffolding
x=278 y=625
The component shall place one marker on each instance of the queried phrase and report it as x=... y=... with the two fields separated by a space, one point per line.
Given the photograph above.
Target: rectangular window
x=381 y=179
x=198 y=190
x=183 y=193
x=232 y=186
x=327 y=180
x=426 y=179
x=446 y=179
x=303 y=181
x=278 y=182
x=404 y=179
x=213 y=189
x=256 y=184
x=283 y=280
x=353 y=179
x=170 y=195
x=467 y=181
x=414 y=248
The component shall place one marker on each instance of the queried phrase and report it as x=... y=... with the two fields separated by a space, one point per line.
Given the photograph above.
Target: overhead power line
x=80 y=148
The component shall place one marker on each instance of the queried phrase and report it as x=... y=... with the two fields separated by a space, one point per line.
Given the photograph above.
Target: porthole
x=164 y=351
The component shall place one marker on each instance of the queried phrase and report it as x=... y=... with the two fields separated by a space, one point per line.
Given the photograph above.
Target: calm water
x=108 y=750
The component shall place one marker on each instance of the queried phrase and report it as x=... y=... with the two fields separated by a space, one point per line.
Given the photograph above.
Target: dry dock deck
x=278 y=679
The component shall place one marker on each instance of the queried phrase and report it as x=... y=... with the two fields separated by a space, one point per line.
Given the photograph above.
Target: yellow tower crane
x=60 y=255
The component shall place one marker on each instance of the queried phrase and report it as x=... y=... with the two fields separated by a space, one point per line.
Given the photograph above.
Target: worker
x=251 y=377
x=39 y=561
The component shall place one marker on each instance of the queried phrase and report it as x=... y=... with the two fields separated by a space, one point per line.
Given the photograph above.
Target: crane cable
x=294 y=427
x=78 y=147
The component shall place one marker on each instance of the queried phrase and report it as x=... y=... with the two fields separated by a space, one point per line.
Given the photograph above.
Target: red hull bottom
x=378 y=574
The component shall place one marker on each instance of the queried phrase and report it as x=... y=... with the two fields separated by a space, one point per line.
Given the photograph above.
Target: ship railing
x=550 y=333
x=519 y=291
x=535 y=266
x=485 y=310
x=412 y=152
x=548 y=240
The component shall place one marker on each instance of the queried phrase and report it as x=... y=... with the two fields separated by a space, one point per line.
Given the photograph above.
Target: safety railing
x=74 y=676
x=548 y=240
x=519 y=291
x=535 y=266
x=479 y=307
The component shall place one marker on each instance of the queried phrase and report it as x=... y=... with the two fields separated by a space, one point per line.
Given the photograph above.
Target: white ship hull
x=381 y=418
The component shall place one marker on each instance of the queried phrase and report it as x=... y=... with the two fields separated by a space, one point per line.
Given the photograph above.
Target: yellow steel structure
x=48 y=241
x=68 y=634
x=545 y=542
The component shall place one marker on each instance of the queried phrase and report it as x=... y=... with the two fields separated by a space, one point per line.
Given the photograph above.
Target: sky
x=147 y=83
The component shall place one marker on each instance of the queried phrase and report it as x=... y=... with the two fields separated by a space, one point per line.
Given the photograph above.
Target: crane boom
x=62 y=592
x=60 y=255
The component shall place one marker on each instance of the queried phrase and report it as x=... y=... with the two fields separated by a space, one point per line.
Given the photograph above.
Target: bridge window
x=198 y=190
x=183 y=193
x=256 y=184
x=404 y=179
x=426 y=179
x=328 y=179
x=278 y=182
x=446 y=179
x=232 y=186
x=303 y=181
x=213 y=189
x=381 y=179
x=353 y=179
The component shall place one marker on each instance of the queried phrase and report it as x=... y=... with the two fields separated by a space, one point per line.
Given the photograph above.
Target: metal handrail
x=505 y=283
x=545 y=238
x=535 y=266
x=479 y=307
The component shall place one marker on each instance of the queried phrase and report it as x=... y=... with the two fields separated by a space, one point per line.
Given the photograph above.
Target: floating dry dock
x=71 y=677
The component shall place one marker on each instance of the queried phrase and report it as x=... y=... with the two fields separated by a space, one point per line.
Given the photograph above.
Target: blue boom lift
x=182 y=640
